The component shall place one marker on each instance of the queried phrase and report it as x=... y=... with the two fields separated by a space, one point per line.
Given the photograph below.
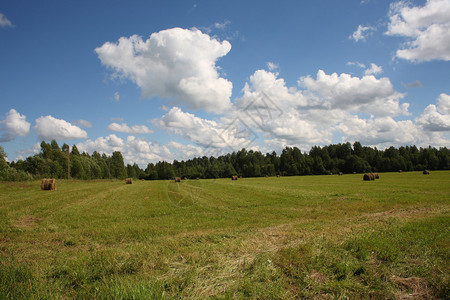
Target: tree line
x=55 y=162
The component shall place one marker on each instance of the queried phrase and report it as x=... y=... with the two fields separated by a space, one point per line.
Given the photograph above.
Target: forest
x=52 y=162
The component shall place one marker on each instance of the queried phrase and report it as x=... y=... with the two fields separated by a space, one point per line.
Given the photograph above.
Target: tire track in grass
x=231 y=266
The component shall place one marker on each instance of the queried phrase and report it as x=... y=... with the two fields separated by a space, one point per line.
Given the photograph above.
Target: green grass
x=304 y=237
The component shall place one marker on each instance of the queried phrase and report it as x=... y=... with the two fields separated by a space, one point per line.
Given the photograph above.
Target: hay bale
x=366 y=177
x=376 y=176
x=129 y=181
x=278 y=175
x=198 y=178
x=426 y=172
x=340 y=173
x=354 y=172
x=177 y=179
x=400 y=171
x=234 y=178
x=48 y=184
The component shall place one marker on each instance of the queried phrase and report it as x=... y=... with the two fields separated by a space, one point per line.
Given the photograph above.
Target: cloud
x=330 y=105
x=178 y=64
x=414 y=84
x=367 y=94
x=22 y=154
x=13 y=125
x=444 y=103
x=272 y=66
x=357 y=64
x=226 y=135
x=274 y=88
x=385 y=132
x=427 y=29
x=135 y=129
x=185 y=151
x=48 y=128
x=436 y=118
x=106 y=145
x=283 y=115
x=116 y=97
x=116 y=119
x=83 y=123
x=378 y=131
x=374 y=69
x=222 y=26
x=134 y=150
x=361 y=33
x=4 y=22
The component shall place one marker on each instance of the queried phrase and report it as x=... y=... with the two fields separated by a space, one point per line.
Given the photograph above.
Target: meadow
x=318 y=237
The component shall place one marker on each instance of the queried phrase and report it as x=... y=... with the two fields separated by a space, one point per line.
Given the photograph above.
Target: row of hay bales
x=48 y=184
x=371 y=176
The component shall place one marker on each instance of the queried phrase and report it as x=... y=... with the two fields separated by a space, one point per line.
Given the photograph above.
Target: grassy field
x=320 y=237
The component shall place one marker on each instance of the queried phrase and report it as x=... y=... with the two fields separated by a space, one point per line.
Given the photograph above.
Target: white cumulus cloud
x=133 y=149
x=13 y=125
x=178 y=64
x=436 y=118
x=427 y=29
x=227 y=134
x=48 y=128
x=366 y=94
x=135 y=129
x=385 y=132
x=444 y=103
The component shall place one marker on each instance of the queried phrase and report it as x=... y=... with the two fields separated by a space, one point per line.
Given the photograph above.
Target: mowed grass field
x=320 y=237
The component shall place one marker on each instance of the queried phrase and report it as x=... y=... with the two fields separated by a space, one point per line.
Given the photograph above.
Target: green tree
x=117 y=167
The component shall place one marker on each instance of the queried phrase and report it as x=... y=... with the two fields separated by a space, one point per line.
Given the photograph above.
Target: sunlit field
x=325 y=236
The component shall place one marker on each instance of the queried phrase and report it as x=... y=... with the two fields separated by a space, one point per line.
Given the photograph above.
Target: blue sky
x=177 y=79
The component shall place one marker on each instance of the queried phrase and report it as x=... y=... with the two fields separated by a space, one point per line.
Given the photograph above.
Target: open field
x=312 y=236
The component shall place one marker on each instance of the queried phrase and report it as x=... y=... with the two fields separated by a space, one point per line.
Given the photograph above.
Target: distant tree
x=117 y=166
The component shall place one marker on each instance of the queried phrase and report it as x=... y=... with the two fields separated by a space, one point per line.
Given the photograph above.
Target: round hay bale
x=340 y=173
x=354 y=172
x=48 y=184
x=234 y=178
x=376 y=176
x=278 y=175
x=43 y=184
x=426 y=172
x=366 y=177
x=177 y=179
x=400 y=171
x=198 y=178
x=129 y=181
